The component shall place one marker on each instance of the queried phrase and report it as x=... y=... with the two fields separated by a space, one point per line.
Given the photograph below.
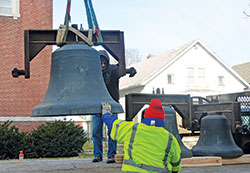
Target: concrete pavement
x=57 y=165
x=85 y=165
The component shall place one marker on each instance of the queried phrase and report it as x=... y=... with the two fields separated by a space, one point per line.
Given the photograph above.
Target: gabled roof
x=243 y=70
x=150 y=68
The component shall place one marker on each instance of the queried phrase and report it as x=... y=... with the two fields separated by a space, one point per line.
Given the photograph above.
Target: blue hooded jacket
x=111 y=76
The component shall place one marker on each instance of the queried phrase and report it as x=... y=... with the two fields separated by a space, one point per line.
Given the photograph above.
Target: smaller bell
x=216 y=138
x=170 y=123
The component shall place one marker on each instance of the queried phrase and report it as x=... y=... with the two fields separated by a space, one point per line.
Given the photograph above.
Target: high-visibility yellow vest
x=147 y=148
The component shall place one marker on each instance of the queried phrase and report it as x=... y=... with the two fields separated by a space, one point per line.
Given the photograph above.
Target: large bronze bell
x=216 y=138
x=76 y=85
x=170 y=123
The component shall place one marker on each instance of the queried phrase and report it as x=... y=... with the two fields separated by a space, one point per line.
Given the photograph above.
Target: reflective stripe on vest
x=132 y=139
x=147 y=167
x=170 y=138
x=167 y=151
x=142 y=166
x=177 y=163
x=116 y=130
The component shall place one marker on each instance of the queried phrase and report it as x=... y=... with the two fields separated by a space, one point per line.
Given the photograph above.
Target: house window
x=196 y=76
x=170 y=79
x=190 y=75
x=9 y=8
x=221 y=80
x=201 y=77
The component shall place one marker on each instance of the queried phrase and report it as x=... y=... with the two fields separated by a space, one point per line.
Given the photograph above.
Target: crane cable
x=92 y=21
x=91 y=17
x=67 y=20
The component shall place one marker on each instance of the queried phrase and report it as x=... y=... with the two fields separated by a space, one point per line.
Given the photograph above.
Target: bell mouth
x=72 y=108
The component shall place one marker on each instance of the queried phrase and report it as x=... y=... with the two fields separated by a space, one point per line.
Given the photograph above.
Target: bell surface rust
x=216 y=138
x=170 y=123
x=76 y=85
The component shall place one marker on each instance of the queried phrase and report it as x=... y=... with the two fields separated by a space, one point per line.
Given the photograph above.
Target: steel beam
x=36 y=40
x=135 y=101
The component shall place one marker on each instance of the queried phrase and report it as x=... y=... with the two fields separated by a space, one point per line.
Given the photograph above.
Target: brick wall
x=18 y=95
x=27 y=126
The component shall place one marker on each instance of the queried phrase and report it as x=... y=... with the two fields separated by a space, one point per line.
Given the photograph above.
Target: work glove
x=106 y=108
x=131 y=71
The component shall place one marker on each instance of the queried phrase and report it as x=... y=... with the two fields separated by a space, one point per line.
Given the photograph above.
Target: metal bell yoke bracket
x=36 y=40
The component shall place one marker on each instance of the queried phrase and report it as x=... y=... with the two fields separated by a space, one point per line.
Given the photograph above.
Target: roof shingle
x=243 y=70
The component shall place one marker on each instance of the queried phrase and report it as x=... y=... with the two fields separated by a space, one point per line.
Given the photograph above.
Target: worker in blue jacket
x=111 y=78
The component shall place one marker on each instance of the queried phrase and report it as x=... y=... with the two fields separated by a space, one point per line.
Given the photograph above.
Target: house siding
x=196 y=57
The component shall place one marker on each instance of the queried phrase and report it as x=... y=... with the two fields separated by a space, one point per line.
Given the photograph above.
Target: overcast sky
x=155 y=26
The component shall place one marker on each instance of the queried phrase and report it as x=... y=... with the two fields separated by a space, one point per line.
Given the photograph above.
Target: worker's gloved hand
x=106 y=108
x=132 y=72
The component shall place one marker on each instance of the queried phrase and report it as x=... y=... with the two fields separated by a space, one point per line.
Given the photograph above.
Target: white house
x=189 y=69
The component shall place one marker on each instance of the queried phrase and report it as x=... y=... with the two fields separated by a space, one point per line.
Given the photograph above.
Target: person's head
x=104 y=57
x=155 y=110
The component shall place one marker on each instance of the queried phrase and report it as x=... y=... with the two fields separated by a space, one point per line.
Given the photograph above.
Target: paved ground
x=85 y=165
x=60 y=165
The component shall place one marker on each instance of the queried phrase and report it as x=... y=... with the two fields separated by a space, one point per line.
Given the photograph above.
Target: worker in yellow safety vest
x=148 y=146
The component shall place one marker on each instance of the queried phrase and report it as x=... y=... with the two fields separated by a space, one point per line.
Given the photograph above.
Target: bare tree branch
x=132 y=56
x=247 y=14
